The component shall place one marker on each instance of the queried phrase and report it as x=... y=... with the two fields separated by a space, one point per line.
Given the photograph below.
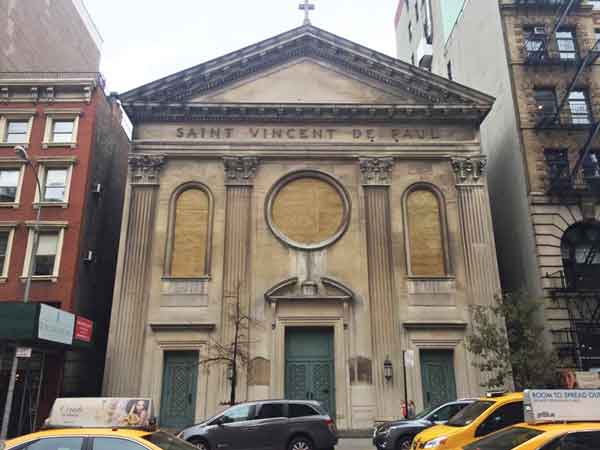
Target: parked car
x=270 y=424
x=398 y=434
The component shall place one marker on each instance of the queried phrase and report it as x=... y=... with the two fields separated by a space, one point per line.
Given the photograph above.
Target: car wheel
x=301 y=443
x=201 y=444
x=404 y=443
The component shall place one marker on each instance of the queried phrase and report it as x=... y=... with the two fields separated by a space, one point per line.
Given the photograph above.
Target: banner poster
x=561 y=405
x=100 y=413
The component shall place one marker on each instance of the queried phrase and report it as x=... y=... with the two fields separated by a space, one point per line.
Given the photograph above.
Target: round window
x=308 y=210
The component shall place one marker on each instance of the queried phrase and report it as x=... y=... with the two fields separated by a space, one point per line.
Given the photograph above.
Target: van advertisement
x=573 y=405
x=100 y=413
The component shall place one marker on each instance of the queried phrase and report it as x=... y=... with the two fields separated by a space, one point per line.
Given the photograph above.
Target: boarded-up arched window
x=190 y=234
x=425 y=234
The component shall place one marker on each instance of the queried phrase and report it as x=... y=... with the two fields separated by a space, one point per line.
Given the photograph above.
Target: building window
x=449 y=69
x=579 y=108
x=61 y=130
x=17 y=131
x=566 y=43
x=9 y=185
x=416 y=11
x=535 y=37
x=410 y=34
x=46 y=259
x=591 y=168
x=426 y=242
x=412 y=59
x=6 y=236
x=188 y=247
x=545 y=100
x=596 y=38
x=54 y=184
x=580 y=248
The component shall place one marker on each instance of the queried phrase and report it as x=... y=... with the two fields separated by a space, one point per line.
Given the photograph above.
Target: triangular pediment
x=304 y=66
x=304 y=81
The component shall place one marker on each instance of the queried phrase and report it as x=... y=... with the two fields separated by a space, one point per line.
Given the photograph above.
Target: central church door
x=309 y=370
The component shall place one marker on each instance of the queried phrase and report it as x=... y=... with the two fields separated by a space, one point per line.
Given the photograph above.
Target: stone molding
x=376 y=171
x=240 y=170
x=145 y=169
x=469 y=170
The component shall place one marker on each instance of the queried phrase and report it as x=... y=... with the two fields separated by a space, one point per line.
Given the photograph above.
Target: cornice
x=140 y=111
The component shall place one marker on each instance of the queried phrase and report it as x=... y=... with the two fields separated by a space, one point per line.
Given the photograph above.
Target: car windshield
x=425 y=413
x=167 y=441
x=469 y=414
x=504 y=439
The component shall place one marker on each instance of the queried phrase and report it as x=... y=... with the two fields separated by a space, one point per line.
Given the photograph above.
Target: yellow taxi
x=550 y=436
x=554 y=420
x=97 y=439
x=99 y=424
x=488 y=414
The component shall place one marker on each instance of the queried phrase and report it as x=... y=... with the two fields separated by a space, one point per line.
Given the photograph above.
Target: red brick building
x=72 y=134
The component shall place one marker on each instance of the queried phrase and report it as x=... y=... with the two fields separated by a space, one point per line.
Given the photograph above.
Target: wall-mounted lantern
x=388 y=369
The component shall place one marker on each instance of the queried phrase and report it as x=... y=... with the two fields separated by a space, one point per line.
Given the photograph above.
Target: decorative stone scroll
x=240 y=170
x=376 y=171
x=145 y=169
x=468 y=169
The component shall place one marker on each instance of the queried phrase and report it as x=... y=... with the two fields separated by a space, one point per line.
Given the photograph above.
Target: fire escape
x=576 y=293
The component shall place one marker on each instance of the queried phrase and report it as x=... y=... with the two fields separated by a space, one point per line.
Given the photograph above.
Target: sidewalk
x=355 y=444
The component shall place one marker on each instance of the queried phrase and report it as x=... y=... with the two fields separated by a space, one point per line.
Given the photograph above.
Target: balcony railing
x=543 y=3
x=575 y=117
x=562 y=181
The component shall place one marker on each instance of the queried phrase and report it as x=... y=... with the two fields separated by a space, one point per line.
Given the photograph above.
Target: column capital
x=145 y=169
x=376 y=171
x=469 y=169
x=240 y=170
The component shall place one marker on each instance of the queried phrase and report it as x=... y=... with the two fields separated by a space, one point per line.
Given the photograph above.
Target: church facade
x=315 y=208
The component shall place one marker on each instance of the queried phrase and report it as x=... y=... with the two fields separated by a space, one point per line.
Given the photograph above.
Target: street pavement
x=355 y=444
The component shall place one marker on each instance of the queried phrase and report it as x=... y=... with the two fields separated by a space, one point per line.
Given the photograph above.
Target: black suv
x=398 y=434
x=269 y=424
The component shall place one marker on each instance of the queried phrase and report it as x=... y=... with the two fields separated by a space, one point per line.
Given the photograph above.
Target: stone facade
x=532 y=211
x=308 y=185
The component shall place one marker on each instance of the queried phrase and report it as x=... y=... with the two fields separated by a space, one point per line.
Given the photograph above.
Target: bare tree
x=234 y=354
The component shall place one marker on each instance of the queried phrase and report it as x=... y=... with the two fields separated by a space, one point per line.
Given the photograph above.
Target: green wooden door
x=309 y=370
x=437 y=374
x=180 y=379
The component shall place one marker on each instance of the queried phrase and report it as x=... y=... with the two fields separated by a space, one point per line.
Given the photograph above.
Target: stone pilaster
x=376 y=178
x=128 y=318
x=476 y=229
x=239 y=180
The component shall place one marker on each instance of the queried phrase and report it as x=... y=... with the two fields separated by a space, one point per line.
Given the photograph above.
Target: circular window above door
x=308 y=210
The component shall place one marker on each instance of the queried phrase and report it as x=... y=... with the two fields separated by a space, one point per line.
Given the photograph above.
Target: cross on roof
x=307 y=7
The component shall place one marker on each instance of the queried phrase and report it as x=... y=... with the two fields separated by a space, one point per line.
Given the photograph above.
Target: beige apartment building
x=539 y=58
x=338 y=196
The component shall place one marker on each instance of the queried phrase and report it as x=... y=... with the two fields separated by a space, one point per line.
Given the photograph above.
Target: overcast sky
x=148 y=39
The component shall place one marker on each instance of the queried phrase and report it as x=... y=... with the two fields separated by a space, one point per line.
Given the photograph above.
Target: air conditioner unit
x=97 y=189
x=539 y=30
x=89 y=256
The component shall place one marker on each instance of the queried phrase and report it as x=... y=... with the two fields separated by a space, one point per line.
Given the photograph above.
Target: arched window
x=426 y=232
x=188 y=246
x=580 y=248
